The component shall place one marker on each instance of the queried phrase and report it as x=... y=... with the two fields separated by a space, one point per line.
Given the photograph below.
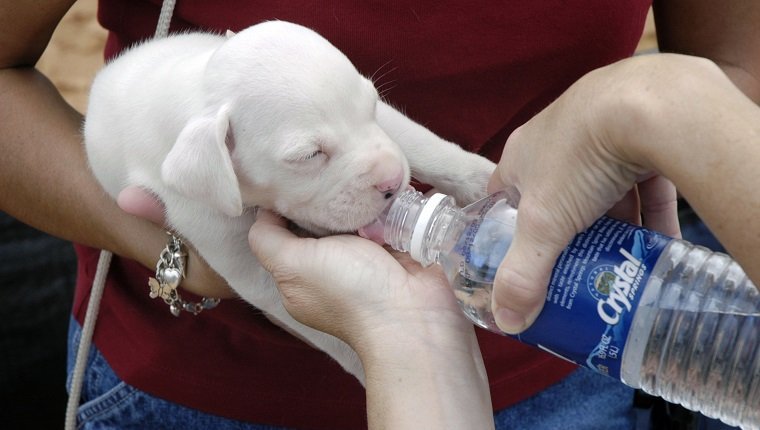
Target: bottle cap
x=419 y=231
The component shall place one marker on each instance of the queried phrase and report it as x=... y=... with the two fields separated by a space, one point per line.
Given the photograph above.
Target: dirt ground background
x=75 y=52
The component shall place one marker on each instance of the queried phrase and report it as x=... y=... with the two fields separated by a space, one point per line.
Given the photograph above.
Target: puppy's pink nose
x=390 y=185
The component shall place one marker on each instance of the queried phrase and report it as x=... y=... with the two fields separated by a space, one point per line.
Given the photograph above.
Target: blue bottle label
x=594 y=290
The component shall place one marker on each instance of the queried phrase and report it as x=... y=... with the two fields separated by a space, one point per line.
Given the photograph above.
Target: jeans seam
x=105 y=403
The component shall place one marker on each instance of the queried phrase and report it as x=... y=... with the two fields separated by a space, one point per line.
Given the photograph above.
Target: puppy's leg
x=434 y=161
x=223 y=242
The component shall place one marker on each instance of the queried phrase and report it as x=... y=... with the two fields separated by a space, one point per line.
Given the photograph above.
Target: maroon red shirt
x=471 y=71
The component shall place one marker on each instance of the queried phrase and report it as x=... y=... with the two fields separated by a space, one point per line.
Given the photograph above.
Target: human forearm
x=426 y=378
x=714 y=163
x=724 y=32
x=44 y=178
x=46 y=181
x=700 y=131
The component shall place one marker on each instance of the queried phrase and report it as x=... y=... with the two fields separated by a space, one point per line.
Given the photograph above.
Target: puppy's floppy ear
x=199 y=165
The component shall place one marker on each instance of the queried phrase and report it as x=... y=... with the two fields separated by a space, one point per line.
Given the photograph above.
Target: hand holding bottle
x=601 y=147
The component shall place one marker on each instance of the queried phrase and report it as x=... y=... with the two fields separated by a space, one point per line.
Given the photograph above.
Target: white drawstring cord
x=99 y=283
x=164 y=19
x=85 y=340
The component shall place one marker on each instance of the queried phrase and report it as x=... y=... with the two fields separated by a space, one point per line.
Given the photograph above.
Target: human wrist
x=428 y=375
x=409 y=338
x=143 y=241
x=421 y=360
x=652 y=103
x=621 y=112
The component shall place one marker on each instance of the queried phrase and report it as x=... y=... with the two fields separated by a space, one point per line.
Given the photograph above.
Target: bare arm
x=710 y=149
x=45 y=179
x=726 y=32
x=426 y=378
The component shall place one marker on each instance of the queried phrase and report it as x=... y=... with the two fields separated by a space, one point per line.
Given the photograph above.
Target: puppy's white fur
x=272 y=117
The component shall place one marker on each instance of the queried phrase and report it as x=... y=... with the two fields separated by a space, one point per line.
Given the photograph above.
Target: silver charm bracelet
x=170 y=270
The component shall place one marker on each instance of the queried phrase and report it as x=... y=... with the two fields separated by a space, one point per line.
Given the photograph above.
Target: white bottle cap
x=418 y=234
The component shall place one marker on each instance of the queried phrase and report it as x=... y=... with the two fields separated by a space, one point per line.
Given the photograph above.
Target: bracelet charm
x=170 y=270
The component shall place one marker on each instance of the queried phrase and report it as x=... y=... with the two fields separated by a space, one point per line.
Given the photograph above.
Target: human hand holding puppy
x=200 y=279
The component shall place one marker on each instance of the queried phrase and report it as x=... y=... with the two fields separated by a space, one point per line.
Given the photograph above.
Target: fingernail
x=509 y=321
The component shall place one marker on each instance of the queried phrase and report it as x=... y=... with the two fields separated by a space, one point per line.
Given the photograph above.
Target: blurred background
x=75 y=53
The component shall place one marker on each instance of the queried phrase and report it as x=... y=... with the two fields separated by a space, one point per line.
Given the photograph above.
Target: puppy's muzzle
x=391 y=185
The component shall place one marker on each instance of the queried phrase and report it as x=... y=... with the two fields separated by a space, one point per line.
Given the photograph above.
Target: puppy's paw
x=467 y=178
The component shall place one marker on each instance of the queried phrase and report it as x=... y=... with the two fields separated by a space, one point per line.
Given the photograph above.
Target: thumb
x=520 y=285
x=497 y=182
x=268 y=237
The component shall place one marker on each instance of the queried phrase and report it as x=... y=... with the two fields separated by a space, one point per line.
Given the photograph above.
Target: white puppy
x=273 y=117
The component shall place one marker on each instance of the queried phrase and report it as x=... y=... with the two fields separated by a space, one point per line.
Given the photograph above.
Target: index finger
x=142 y=203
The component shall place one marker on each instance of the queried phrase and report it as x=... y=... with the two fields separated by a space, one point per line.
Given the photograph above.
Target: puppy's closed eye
x=307 y=160
x=312 y=152
x=313 y=155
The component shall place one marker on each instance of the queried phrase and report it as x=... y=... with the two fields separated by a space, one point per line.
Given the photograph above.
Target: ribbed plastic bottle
x=676 y=320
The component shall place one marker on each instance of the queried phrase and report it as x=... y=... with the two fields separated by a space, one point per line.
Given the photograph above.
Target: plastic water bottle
x=676 y=320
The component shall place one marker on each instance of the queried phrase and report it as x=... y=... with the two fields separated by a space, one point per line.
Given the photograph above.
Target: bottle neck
x=418 y=224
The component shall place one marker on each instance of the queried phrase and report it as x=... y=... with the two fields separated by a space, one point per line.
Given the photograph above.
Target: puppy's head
x=289 y=125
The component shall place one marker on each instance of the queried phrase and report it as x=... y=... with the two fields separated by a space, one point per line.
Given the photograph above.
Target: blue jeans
x=107 y=402
x=583 y=401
